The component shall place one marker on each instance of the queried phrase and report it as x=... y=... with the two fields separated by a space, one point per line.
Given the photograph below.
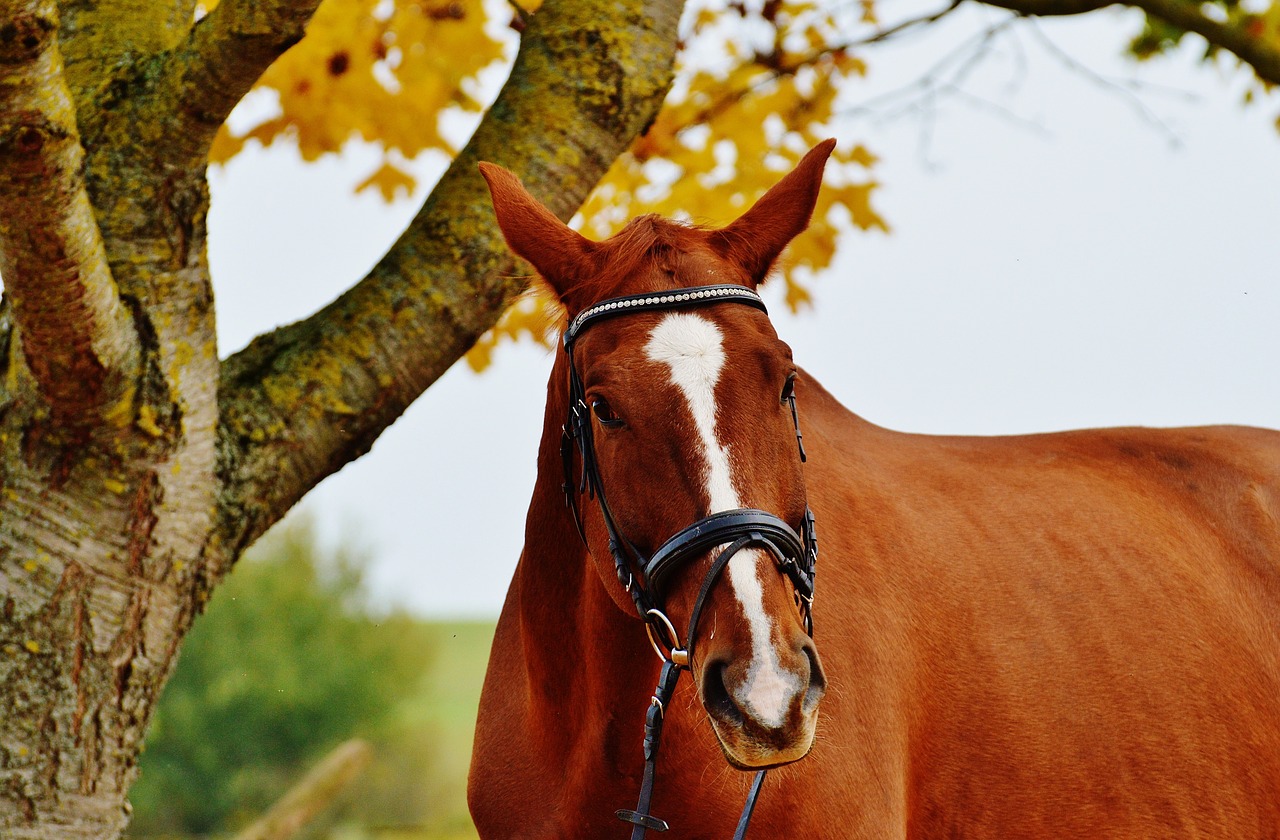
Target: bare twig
x=981 y=103
x=1259 y=53
x=1125 y=88
x=77 y=337
x=943 y=80
x=948 y=70
x=313 y=794
x=898 y=28
x=776 y=70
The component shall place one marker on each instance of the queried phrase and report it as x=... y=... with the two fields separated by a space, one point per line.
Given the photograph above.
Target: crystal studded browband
x=658 y=300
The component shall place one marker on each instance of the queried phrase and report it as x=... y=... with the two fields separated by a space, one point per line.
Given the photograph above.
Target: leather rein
x=644 y=578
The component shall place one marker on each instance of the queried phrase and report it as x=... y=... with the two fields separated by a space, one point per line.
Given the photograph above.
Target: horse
x=1067 y=635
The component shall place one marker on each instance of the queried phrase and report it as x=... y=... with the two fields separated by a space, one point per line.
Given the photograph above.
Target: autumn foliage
x=756 y=87
x=758 y=83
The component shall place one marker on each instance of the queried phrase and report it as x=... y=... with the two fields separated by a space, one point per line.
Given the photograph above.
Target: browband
x=677 y=299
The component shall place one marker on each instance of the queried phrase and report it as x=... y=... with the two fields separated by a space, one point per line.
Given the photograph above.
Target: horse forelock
x=650 y=254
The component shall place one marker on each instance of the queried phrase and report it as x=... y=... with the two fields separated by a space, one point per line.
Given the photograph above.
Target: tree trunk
x=134 y=466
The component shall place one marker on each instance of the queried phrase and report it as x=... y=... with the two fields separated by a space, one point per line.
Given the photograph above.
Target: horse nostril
x=715 y=694
x=817 y=679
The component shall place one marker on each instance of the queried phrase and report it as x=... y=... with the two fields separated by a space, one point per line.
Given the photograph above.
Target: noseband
x=645 y=578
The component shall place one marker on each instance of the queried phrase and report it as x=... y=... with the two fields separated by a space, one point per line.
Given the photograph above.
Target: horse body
x=1070 y=635
x=1081 y=629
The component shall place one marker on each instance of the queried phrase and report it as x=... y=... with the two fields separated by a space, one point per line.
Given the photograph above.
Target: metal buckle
x=635 y=818
x=678 y=653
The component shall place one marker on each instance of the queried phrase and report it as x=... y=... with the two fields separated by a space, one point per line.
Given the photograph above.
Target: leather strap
x=707 y=582
x=653 y=301
x=640 y=818
x=718 y=529
x=750 y=807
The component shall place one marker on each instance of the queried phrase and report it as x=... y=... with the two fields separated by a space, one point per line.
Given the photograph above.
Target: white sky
x=1065 y=264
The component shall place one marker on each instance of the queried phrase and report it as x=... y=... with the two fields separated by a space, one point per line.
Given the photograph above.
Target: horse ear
x=758 y=236
x=559 y=253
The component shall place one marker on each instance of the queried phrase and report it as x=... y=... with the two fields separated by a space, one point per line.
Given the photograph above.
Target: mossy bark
x=130 y=486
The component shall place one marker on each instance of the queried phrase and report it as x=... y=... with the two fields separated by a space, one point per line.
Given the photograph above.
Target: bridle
x=644 y=578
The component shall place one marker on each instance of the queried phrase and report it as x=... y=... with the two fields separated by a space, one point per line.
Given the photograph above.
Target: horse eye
x=604 y=413
x=789 y=388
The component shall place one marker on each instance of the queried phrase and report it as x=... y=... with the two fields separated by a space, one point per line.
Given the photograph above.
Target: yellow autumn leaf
x=797 y=296
x=859 y=154
x=856 y=198
x=225 y=146
x=382 y=71
x=389 y=180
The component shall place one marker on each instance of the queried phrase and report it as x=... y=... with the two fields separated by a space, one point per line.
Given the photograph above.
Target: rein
x=644 y=578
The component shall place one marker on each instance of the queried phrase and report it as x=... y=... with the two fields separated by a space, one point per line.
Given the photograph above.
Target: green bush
x=288 y=661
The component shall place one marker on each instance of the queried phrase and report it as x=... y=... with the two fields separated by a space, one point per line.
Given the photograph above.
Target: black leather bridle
x=644 y=578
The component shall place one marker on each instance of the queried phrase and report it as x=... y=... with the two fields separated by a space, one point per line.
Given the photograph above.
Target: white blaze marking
x=693 y=348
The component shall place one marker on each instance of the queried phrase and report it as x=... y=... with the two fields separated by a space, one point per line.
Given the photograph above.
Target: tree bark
x=128 y=489
x=77 y=338
x=316 y=394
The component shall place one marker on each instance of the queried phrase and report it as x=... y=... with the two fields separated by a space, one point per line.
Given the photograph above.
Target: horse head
x=686 y=410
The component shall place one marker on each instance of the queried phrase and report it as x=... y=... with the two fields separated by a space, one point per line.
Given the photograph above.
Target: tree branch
x=1258 y=53
x=77 y=337
x=1262 y=56
x=302 y=401
x=902 y=26
x=312 y=794
x=224 y=55
x=110 y=35
x=1051 y=8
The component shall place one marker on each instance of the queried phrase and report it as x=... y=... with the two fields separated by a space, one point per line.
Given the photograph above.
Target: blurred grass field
x=445 y=705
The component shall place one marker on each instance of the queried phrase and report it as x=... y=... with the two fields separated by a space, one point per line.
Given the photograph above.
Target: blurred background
x=1042 y=232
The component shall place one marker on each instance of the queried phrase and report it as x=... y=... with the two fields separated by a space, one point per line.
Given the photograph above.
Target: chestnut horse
x=1071 y=635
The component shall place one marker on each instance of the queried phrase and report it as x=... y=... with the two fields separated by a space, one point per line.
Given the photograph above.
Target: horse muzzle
x=764 y=708
x=761 y=687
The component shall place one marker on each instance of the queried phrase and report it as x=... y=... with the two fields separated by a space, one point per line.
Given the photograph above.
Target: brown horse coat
x=1070 y=635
